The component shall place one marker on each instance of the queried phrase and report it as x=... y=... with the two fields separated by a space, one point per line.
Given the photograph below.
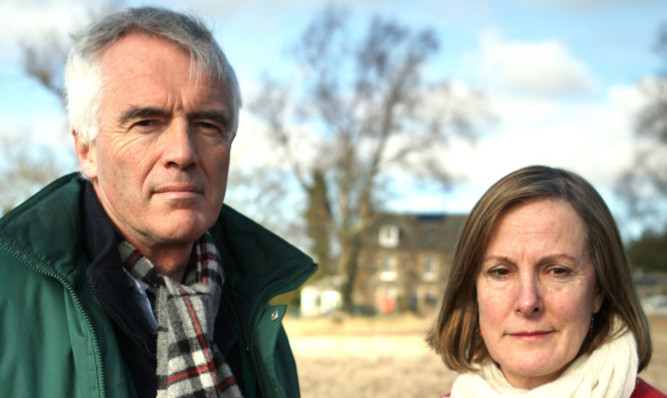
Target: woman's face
x=536 y=291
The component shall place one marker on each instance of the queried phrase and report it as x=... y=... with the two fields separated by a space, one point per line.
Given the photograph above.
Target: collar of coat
x=44 y=232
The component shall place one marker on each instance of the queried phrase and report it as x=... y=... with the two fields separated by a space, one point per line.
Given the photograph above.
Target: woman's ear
x=598 y=300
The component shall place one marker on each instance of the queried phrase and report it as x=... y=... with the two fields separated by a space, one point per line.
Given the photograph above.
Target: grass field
x=387 y=357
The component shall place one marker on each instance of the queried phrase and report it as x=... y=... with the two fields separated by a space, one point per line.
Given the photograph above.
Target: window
x=388 y=268
x=430 y=269
x=388 y=236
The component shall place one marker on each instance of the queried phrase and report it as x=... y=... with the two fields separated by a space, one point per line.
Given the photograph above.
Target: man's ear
x=87 y=155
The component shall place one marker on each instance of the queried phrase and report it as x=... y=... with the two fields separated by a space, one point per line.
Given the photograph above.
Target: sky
x=563 y=78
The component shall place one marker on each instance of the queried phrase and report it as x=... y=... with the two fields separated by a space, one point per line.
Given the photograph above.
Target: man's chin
x=183 y=226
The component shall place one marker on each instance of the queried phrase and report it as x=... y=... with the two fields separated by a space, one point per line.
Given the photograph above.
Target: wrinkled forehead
x=140 y=52
x=142 y=47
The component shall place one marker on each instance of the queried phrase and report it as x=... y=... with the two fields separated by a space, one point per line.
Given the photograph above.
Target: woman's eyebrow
x=503 y=259
x=547 y=258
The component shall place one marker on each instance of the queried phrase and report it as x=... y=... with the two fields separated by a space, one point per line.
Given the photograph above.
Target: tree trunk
x=348 y=264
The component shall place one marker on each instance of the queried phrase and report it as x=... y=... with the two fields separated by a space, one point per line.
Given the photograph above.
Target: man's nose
x=529 y=298
x=179 y=146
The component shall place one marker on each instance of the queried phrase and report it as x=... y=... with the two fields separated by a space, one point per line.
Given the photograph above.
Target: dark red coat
x=645 y=390
x=642 y=390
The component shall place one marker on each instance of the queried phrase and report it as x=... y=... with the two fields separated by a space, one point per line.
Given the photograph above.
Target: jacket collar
x=258 y=263
x=45 y=231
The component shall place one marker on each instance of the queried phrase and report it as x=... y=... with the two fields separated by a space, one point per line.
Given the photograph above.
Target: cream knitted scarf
x=608 y=372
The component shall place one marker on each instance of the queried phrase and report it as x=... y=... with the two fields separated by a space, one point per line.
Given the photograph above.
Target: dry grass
x=657 y=369
x=387 y=357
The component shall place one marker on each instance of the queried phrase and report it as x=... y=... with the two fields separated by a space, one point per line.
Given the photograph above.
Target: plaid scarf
x=188 y=362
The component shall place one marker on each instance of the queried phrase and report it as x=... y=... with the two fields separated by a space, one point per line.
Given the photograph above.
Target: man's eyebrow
x=219 y=117
x=136 y=112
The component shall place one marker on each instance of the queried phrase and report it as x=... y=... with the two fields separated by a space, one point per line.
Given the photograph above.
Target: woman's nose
x=529 y=299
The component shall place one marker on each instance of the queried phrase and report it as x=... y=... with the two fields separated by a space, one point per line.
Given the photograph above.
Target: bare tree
x=44 y=61
x=644 y=185
x=254 y=190
x=374 y=114
x=44 y=55
x=29 y=167
x=29 y=164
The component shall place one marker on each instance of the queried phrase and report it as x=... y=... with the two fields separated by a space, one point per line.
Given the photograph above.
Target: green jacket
x=57 y=341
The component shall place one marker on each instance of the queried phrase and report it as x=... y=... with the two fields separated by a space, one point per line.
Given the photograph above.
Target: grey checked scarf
x=188 y=362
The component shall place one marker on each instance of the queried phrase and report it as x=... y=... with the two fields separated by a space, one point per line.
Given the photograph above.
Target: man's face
x=159 y=163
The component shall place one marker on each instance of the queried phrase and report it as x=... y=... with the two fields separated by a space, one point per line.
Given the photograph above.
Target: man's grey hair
x=84 y=82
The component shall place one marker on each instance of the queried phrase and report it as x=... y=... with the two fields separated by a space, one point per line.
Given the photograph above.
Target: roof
x=418 y=231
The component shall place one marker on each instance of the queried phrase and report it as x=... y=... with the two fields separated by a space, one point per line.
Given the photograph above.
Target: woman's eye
x=559 y=272
x=499 y=273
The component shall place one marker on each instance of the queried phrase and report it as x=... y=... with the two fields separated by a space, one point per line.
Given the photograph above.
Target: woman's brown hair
x=455 y=334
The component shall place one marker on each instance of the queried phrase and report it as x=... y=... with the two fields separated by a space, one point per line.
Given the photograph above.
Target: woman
x=540 y=301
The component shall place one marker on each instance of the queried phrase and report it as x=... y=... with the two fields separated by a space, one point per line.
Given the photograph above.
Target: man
x=132 y=278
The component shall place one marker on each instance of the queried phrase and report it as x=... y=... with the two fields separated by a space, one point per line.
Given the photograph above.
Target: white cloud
x=595 y=4
x=253 y=147
x=591 y=138
x=49 y=127
x=544 y=68
x=574 y=3
x=21 y=18
x=26 y=21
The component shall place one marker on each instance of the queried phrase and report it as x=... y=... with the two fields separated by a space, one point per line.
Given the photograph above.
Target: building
x=321 y=297
x=405 y=261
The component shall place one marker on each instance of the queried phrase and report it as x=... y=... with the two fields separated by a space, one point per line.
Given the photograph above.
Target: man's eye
x=144 y=123
x=207 y=125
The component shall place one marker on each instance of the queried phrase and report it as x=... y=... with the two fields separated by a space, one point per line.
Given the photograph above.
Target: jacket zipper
x=115 y=315
x=253 y=355
x=77 y=302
